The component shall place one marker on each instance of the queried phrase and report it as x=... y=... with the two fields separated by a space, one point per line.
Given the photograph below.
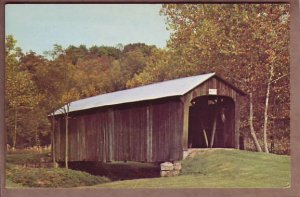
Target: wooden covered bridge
x=152 y=123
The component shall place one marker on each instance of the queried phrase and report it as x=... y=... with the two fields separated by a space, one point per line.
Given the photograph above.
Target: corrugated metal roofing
x=176 y=87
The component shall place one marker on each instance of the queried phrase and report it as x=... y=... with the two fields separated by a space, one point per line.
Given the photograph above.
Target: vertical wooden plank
x=70 y=143
x=107 y=129
x=62 y=141
x=130 y=135
x=84 y=136
x=149 y=133
x=145 y=132
x=104 y=116
x=142 y=134
x=168 y=131
x=76 y=137
x=111 y=135
x=120 y=136
x=58 y=149
x=237 y=123
x=97 y=137
x=172 y=131
x=58 y=131
x=136 y=116
x=164 y=141
x=87 y=138
x=116 y=130
x=153 y=109
x=161 y=133
x=101 y=138
x=179 y=130
x=81 y=132
x=186 y=104
x=116 y=133
x=79 y=138
x=74 y=141
x=139 y=140
x=93 y=137
x=153 y=132
x=127 y=158
x=123 y=138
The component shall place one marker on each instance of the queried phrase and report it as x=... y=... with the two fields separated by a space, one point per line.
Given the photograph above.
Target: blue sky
x=38 y=27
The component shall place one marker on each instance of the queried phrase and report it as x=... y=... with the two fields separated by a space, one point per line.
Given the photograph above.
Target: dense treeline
x=245 y=44
x=36 y=85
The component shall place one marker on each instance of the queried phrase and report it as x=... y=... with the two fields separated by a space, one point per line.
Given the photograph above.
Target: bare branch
x=279 y=78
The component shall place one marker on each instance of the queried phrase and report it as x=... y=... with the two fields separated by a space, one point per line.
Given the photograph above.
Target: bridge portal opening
x=211 y=122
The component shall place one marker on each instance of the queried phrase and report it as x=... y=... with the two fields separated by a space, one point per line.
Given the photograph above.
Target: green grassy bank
x=222 y=169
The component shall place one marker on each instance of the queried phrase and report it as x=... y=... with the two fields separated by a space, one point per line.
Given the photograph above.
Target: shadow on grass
x=118 y=170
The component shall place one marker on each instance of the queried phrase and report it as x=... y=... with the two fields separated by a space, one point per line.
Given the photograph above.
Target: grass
x=18 y=176
x=218 y=168
x=221 y=168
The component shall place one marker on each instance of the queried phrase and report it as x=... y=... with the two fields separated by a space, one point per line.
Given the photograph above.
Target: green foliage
x=222 y=169
x=21 y=96
x=50 y=177
x=157 y=69
x=101 y=51
x=24 y=157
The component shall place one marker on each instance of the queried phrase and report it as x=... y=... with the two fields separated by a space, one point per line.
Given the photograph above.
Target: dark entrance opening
x=211 y=122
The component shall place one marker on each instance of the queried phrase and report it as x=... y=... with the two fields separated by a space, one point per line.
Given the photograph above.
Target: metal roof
x=176 y=87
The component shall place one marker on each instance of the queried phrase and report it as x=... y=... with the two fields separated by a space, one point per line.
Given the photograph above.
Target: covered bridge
x=152 y=123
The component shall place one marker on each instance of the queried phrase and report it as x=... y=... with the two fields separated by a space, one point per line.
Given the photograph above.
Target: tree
x=247 y=44
x=67 y=92
x=157 y=69
x=132 y=62
x=67 y=97
x=21 y=93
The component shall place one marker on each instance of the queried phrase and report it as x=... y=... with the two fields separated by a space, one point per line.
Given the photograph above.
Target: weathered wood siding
x=145 y=132
x=223 y=89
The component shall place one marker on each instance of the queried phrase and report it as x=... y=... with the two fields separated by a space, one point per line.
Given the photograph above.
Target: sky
x=38 y=27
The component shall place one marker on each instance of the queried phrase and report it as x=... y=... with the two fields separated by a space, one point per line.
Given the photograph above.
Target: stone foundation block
x=176 y=172
x=167 y=166
x=170 y=169
x=177 y=166
x=166 y=173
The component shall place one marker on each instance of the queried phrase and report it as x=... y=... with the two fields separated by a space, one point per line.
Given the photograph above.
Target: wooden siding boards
x=146 y=131
x=143 y=132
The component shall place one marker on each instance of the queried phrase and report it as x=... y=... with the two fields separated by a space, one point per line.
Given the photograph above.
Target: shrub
x=51 y=177
x=23 y=158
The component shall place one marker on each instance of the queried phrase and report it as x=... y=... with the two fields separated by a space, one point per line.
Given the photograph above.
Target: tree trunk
x=266 y=110
x=213 y=130
x=37 y=139
x=53 y=142
x=15 y=130
x=252 y=131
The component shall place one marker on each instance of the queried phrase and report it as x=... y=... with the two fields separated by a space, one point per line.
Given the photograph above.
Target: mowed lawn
x=221 y=168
